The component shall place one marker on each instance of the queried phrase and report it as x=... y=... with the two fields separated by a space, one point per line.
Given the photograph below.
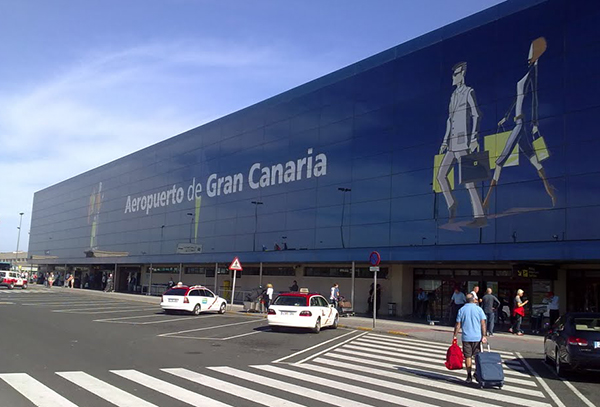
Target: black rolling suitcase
x=489 y=369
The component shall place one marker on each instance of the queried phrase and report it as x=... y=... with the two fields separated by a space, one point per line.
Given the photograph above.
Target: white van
x=12 y=279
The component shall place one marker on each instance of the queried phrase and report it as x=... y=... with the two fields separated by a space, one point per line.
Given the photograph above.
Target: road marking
x=289 y=387
x=69 y=304
x=211 y=327
x=415 y=350
x=422 y=343
x=227 y=387
x=7 y=303
x=313 y=347
x=542 y=382
x=34 y=391
x=395 y=385
x=104 y=390
x=169 y=389
x=439 y=366
x=209 y=338
x=329 y=349
x=114 y=321
x=510 y=371
x=585 y=400
x=92 y=311
x=337 y=384
x=434 y=380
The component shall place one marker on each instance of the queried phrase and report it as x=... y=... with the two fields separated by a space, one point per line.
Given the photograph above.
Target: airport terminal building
x=467 y=156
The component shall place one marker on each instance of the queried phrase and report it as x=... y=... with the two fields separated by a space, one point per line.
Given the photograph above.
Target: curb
x=364 y=328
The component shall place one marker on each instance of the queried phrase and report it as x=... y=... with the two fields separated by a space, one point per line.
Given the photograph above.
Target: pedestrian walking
x=518 y=313
x=422 y=302
x=553 y=306
x=457 y=300
x=334 y=296
x=268 y=296
x=377 y=300
x=491 y=305
x=471 y=319
x=50 y=279
x=109 y=284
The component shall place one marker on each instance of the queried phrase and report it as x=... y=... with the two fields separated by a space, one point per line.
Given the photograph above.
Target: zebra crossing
x=371 y=370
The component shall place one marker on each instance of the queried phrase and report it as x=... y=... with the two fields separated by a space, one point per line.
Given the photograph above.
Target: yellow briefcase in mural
x=541 y=151
x=437 y=161
x=495 y=143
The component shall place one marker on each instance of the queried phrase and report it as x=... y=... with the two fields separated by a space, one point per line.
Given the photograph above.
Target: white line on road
x=227 y=387
x=173 y=391
x=113 y=321
x=104 y=390
x=329 y=349
x=92 y=311
x=585 y=400
x=212 y=327
x=34 y=391
x=339 y=385
x=156 y=314
x=208 y=338
x=541 y=381
x=306 y=392
x=312 y=347
x=448 y=383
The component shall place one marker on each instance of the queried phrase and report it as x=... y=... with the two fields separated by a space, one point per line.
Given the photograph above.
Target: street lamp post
x=162 y=230
x=255 y=203
x=191 y=224
x=343 y=190
x=19 y=235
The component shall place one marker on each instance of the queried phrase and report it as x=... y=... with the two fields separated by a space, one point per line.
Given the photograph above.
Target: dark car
x=573 y=342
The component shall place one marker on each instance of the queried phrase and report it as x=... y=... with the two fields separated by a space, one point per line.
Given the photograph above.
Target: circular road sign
x=374 y=259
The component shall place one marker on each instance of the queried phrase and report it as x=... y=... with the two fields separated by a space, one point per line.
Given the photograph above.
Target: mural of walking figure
x=460 y=139
x=526 y=87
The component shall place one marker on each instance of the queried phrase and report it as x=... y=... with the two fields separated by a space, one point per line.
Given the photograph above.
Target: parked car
x=194 y=299
x=12 y=279
x=573 y=342
x=302 y=310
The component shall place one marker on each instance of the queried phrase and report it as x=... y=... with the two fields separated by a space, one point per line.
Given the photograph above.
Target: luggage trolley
x=345 y=308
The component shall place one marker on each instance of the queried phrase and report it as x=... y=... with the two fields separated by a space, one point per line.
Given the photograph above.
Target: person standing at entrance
x=268 y=296
x=490 y=306
x=456 y=302
x=553 y=306
x=474 y=294
x=472 y=321
x=518 y=313
x=334 y=296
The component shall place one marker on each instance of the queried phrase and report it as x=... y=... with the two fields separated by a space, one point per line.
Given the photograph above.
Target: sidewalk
x=527 y=344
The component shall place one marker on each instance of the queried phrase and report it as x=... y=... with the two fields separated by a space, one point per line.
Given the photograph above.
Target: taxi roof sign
x=235 y=265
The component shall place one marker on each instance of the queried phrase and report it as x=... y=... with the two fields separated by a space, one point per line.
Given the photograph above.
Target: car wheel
x=222 y=309
x=336 y=321
x=196 y=310
x=11 y=286
x=24 y=287
x=317 y=327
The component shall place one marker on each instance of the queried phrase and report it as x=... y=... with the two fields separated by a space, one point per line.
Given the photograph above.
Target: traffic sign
x=235 y=265
x=374 y=268
x=374 y=259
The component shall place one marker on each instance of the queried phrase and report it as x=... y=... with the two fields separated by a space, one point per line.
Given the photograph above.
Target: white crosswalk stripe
x=361 y=373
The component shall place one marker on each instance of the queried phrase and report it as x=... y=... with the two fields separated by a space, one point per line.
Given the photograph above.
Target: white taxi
x=12 y=279
x=302 y=310
x=194 y=299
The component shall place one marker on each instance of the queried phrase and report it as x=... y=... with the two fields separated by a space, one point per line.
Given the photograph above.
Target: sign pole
x=374 y=298
x=233 y=290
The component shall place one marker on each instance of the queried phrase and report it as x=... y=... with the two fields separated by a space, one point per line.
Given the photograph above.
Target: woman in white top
x=269 y=296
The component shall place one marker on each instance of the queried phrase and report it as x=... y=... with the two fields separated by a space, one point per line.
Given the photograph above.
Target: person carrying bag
x=454 y=356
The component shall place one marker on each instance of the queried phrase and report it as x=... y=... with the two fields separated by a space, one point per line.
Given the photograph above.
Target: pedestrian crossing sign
x=235 y=265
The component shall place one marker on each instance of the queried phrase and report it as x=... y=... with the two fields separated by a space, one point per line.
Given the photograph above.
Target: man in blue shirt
x=472 y=320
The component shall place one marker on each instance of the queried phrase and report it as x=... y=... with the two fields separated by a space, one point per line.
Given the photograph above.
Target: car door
x=208 y=300
x=194 y=298
x=328 y=311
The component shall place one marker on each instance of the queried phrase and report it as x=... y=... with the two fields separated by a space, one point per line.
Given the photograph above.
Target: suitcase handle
x=481 y=346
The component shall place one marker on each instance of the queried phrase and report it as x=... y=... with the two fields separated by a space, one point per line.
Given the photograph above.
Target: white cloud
x=113 y=102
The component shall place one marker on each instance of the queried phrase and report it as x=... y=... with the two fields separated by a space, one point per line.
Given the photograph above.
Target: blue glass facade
x=345 y=164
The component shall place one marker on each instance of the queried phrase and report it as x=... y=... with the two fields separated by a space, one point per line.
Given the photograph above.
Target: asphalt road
x=69 y=348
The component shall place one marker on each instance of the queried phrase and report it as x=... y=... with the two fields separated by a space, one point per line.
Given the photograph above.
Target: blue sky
x=85 y=82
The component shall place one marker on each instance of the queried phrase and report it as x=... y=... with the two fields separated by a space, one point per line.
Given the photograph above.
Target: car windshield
x=587 y=324
x=176 y=291
x=289 y=300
